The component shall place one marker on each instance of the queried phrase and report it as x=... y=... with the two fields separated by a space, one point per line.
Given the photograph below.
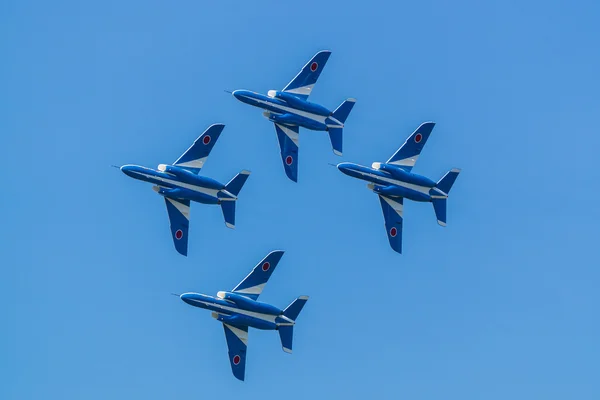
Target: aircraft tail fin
x=286 y=334
x=293 y=310
x=237 y=182
x=227 y=203
x=336 y=137
x=445 y=184
x=439 y=206
x=341 y=113
x=438 y=199
x=228 y=208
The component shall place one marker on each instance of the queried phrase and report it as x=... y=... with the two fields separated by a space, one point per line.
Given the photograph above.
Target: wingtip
x=230 y=226
x=289 y=351
x=337 y=153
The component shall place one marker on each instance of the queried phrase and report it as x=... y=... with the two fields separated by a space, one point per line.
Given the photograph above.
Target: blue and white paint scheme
x=393 y=181
x=238 y=310
x=180 y=184
x=289 y=109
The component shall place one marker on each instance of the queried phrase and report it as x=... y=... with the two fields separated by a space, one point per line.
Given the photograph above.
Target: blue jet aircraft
x=180 y=184
x=239 y=309
x=289 y=110
x=393 y=181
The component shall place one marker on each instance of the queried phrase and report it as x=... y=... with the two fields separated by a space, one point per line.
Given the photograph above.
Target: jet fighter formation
x=289 y=109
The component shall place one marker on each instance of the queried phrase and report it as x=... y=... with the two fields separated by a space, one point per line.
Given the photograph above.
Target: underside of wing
x=407 y=155
x=179 y=220
x=237 y=343
x=288 y=143
x=194 y=158
x=254 y=283
x=392 y=213
x=302 y=84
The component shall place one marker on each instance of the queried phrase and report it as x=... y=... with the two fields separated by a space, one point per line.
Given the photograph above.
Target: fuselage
x=287 y=109
x=179 y=183
x=237 y=310
x=394 y=183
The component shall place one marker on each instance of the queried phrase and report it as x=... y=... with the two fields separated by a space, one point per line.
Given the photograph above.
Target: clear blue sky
x=502 y=303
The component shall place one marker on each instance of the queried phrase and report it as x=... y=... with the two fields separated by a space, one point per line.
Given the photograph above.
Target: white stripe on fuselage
x=195 y=188
x=236 y=310
x=411 y=186
x=315 y=117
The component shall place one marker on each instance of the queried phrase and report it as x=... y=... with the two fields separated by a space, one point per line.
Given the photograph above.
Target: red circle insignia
x=206 y=139
x=236 y=359
x=289 y=160
x=418 y=137
x=266 y=266
x=393 y=232
x=314 y=66
x=178 y=234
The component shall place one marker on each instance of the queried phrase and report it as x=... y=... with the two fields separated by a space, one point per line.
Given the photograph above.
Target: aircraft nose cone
x=237 y=94
x=126 y=169
x=245 y=96
x=344 y=167
x=185 y=297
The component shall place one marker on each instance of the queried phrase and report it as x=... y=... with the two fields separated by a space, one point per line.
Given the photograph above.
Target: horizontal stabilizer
x=235 y=185
x=293 y=310
x=341 y=113
x=445 y=184
x=286 y=334
x=335 y=135
x=228 y=208
x=439 y=206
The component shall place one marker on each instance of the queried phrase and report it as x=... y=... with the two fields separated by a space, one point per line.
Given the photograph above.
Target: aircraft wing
x=392 y=213
x=288 y=143
x=406 y=156
x=302 y=84
x=194 y=158
x=237 y=343
x=179 y=219
x=254 y=283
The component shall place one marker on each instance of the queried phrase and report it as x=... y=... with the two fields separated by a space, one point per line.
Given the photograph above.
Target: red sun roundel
x=393 y=232
x=236 y=359
x=314 y=66
x=206 y=139
x=178 y=234
x=266 y=266
x=418 y=137
x=289 y=160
